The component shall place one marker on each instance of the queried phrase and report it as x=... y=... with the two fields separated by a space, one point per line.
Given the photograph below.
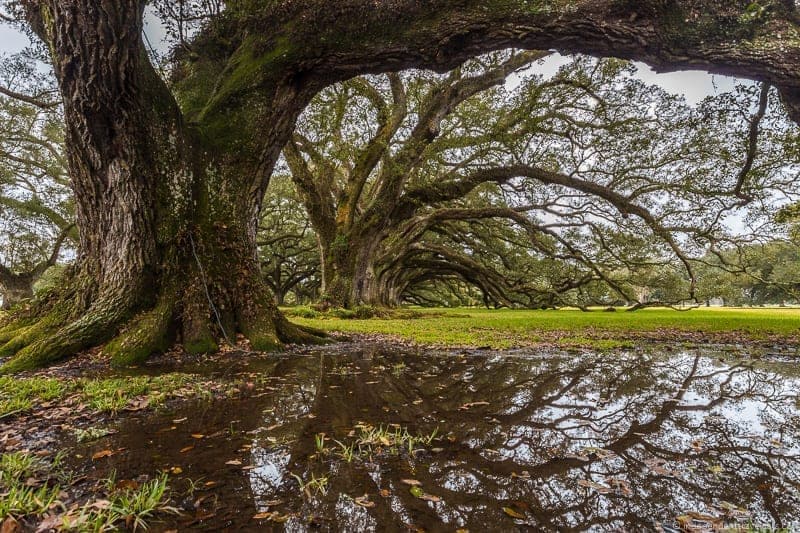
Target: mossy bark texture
x=169 y=179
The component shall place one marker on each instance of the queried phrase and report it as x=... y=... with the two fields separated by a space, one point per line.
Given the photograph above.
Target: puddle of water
x=522 y=441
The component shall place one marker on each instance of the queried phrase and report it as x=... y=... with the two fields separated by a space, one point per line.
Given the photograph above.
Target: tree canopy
x=169 y=175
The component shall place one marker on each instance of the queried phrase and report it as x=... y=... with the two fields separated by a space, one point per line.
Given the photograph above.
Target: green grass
x=604 y=330
x=108 y=395
x=133 y=507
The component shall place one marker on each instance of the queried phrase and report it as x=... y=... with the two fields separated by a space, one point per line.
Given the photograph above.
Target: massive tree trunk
x=167 y=202
x=167 y=231
x=349 y=270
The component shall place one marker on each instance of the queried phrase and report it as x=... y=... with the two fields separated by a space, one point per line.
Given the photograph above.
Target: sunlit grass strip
x=505 y=328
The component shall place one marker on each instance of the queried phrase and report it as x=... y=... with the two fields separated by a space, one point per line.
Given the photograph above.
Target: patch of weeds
x=114 y=394
x=302 y=312
x=21 y=394
x=92 y=433
x=19 y=501
x=315 y=485
x=391 y=440
x=133 y=506
x=19 y=498
x=398 y=369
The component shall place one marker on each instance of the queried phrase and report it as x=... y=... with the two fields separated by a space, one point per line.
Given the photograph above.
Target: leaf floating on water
x=513 y=513
x=470 y=405
x=412 y=482
x=620 y=486
x=602 y=489
x=698 y=445
x=693 y=521
x=187 y=449
x=583 y=458
x=198 y=436
x=363 y=501
x=102 y=454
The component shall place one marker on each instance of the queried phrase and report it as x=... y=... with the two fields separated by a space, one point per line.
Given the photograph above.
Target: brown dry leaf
x=412 y=482
x=385 y=493
x=100 y=505
x=234 y=462
x=126 y=484
x=198 y=436
x=429 y=497
x=602 y=489
x=187 y=449
x=10 y=526
x=363 y=501
x=51 y=522
x=470 y=405
x=138 y=405
x=263 y=516
x=102 y=454
x=176 y=470
x=620 y=486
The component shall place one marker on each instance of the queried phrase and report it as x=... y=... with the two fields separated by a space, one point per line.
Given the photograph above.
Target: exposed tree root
x=149 y=332
x=188 y=317
x=44 y=345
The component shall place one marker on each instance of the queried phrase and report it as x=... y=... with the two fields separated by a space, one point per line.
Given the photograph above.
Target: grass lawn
x=507 y=327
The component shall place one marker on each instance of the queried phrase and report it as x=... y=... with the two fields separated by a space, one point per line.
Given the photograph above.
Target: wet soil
x=379 y=437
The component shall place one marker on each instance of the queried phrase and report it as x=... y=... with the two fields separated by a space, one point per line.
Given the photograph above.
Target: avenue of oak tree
x=169 y=177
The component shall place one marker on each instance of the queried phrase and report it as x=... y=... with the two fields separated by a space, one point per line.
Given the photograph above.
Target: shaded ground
x=383 y=437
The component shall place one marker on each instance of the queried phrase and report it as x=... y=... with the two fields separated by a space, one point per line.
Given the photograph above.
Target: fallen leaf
x=363 y=501
x=187 y=449
x=234 y=462
x=198 y=436
x=263 y=516
x=412 y=482
x=176 y=470
x=102 y=454
x=385 y=493
x=602 y=489
x=416 y=491
x=470 y=405
x=10 y=526
x=126 y=484
x=513 y=514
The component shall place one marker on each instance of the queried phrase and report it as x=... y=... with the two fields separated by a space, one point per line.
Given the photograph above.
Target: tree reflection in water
x=569 y=442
